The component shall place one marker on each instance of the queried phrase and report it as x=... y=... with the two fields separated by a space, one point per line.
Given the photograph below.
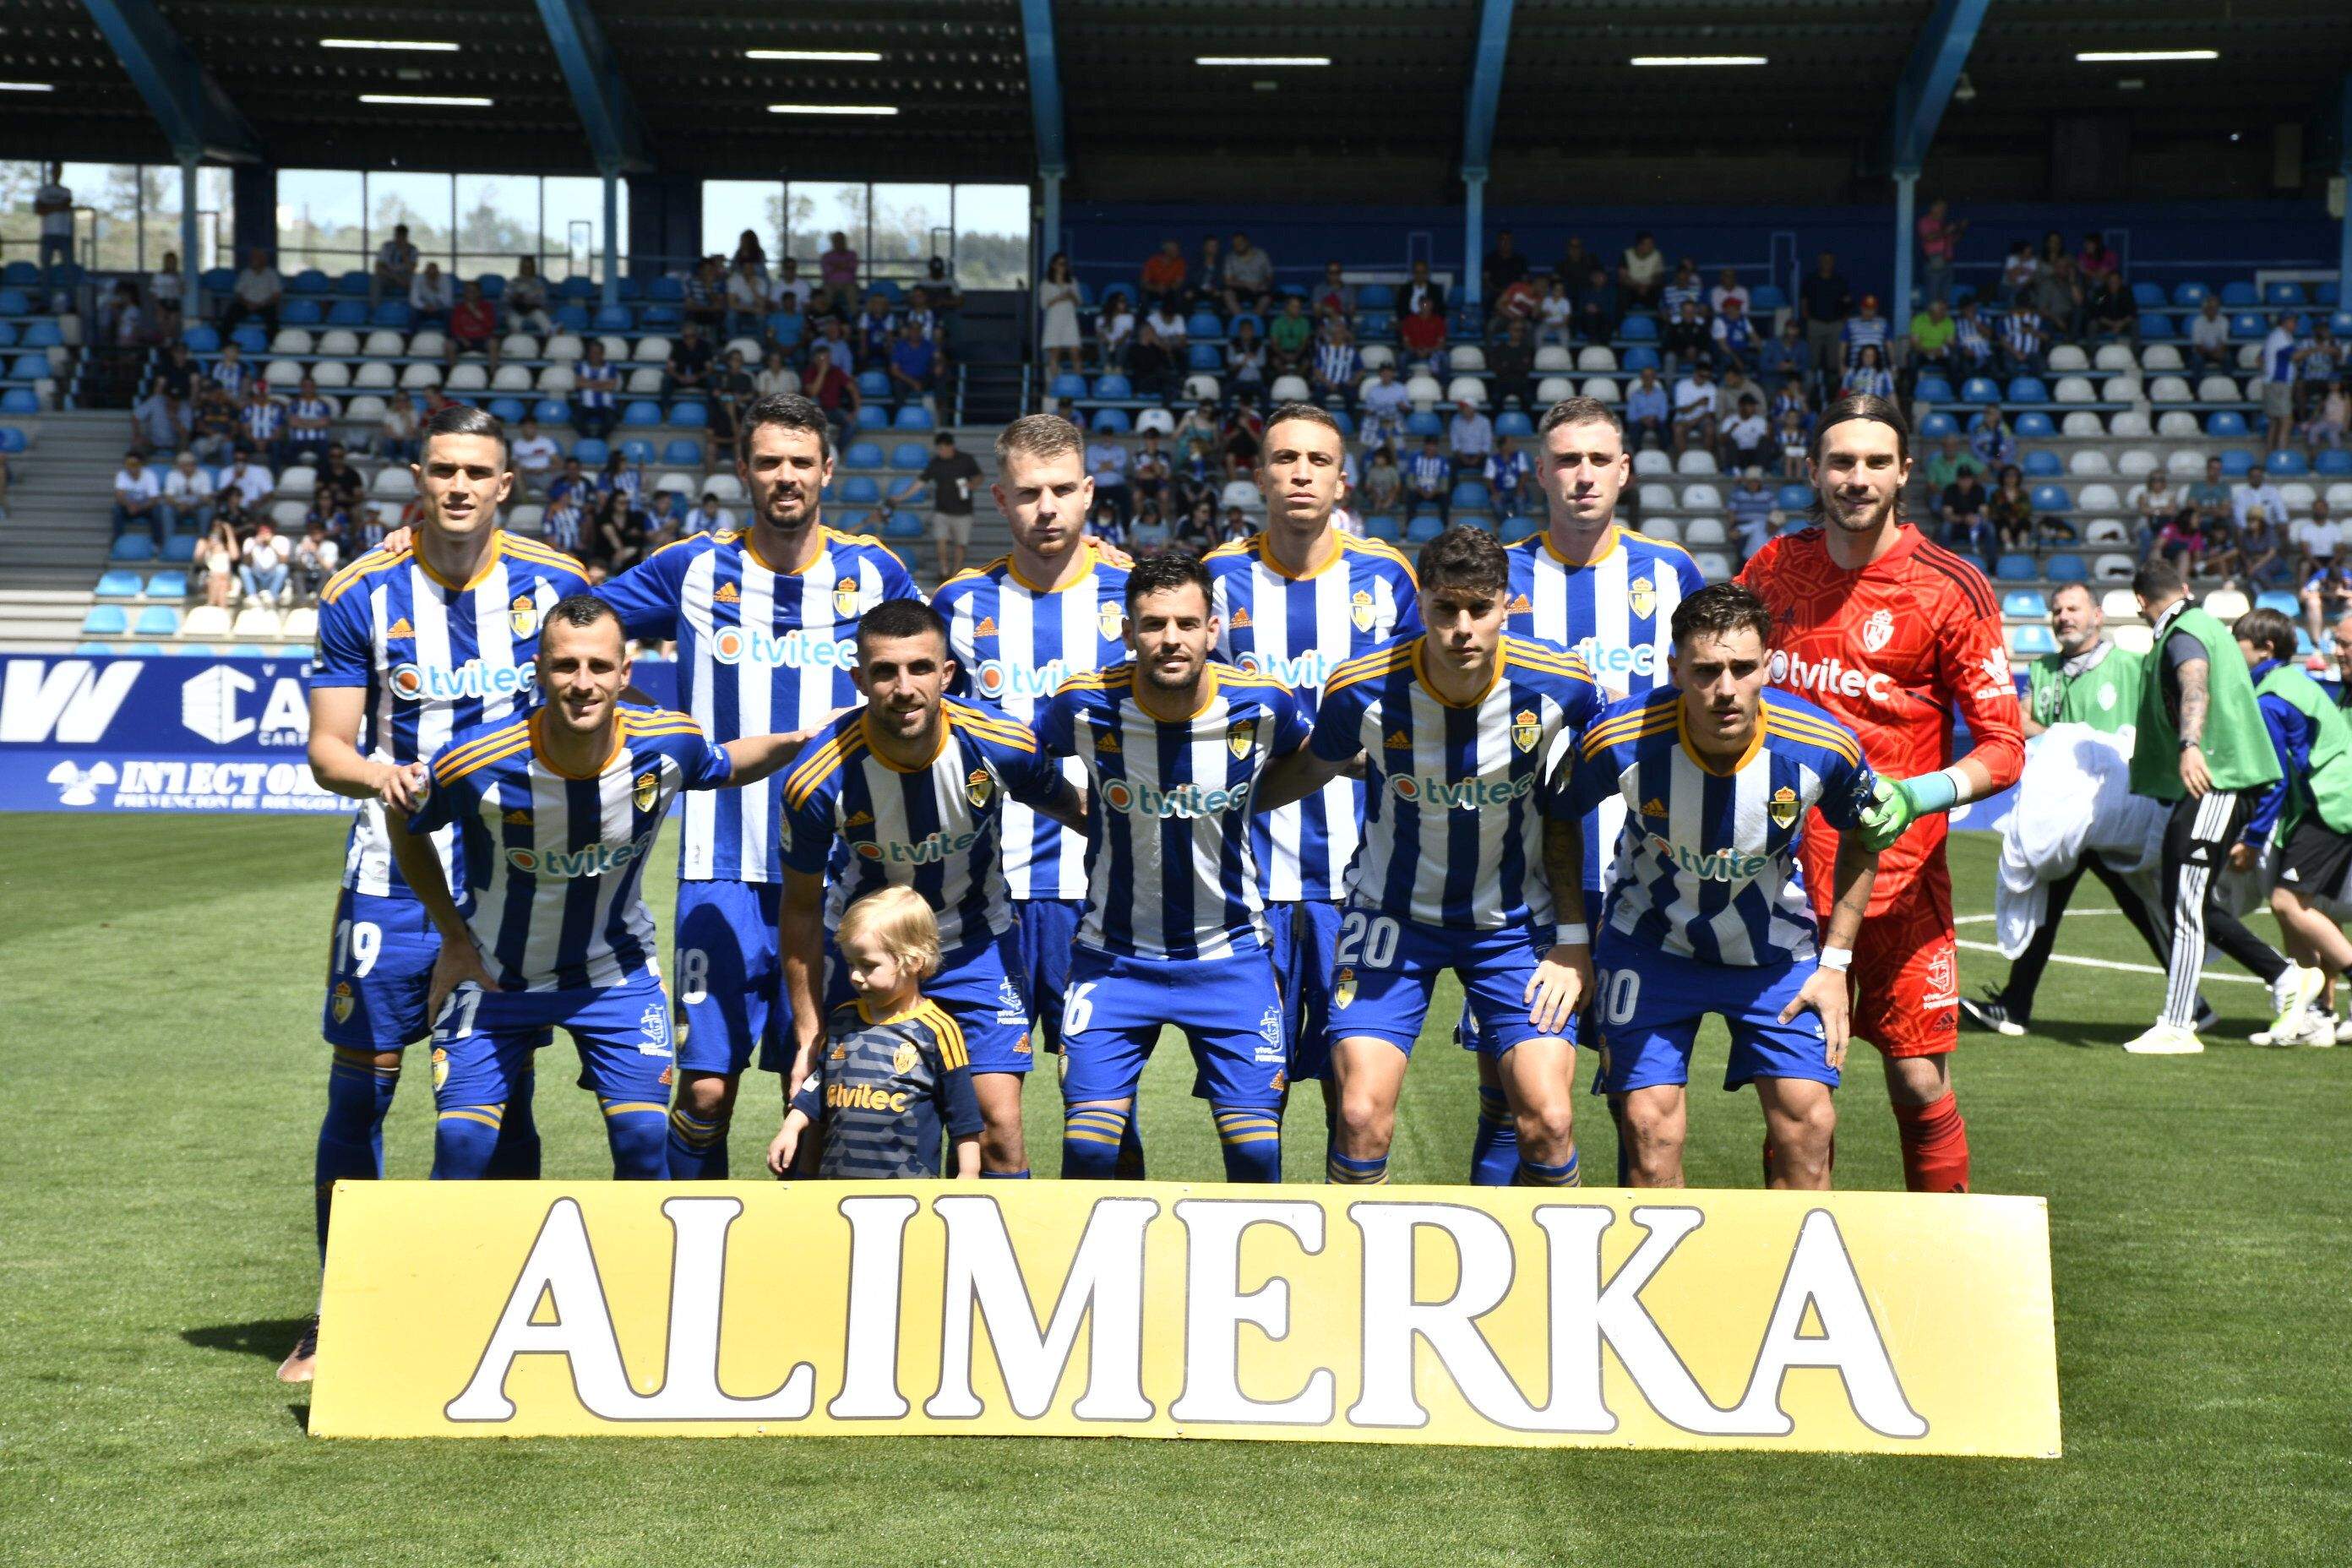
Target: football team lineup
x=1069 y=801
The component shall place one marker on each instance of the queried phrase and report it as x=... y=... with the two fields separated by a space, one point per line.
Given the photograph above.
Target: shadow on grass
x=2103 y=1034
x=301 y=1413
x=268 y=1338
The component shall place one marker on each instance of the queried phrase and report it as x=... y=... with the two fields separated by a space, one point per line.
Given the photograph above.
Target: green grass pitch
x=159 y=984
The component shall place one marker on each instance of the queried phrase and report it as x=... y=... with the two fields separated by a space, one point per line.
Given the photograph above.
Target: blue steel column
x=191 y=300
x=1478 y=111
x=1898 y=309
x=1046 y=118
x=2344 y=168
x=616 y=136
x=1937 y=60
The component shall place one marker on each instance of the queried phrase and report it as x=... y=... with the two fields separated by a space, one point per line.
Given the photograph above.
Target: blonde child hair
x=902 y=922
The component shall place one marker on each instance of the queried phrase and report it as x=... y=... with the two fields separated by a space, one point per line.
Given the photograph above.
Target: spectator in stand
x=230 y=373
x=187 y=498
x=2153 y=505
x=310 y=421
x=1728 y=288
x=1972 y=341
x=1249 y=277
x=707 y=516
x=1746 y=436
x=691 y=365
x=1288 y=338
x=1939 y=244
x=2258 y=494
x=2278 y=378
x=1245 y=357
x=618 y=535
x=240 y=492
x=570 y=485
x=159 y=422
x=430 y=298
x=1502 y=266
x=1207 y=289
x=2009 y=518
x=1173 y=330
x=165 y=287
x=837 y=267
x=177 y=374
x=1512 y=364
x=1753 y=514
x=831 y=389
x=1511 y=482
x=1962 y=508
x=1383 y=481
x=215 y=562
x=1163 y=274
x=2057 y=296
x=2329 y=416
x=2209 y=338
x=1383 y=406
x=2265 y=561
x=1114 y=331
x=1866 y=329
x=2017 y=273
x=1336 y=368
x=1422 y=290
x=940 y=287
x=1107 y=460
x=1201 y=424
x=1057 y=302
x=1785 y=357
x=1196 y=476
x=262 y=417
x=1991 y=438
x=2095 y=261
x=791 y=292
x=1932 y=331
x=1824 y=300
x=1576 y=264
x=532 y=459
x=595 y=393
x=266 y=564
x=1555 y=313
x=1597 y=312
x=2326 y=592
x=1697 y=403
x=620 y=474
x=877 y=329
x=1150 y=475
x=257 y=292
x=1649 y=411
x=747 y=296
x=1470 y=437
x=526 y=298
x=2316 y=359
x=2209 y=504
x=1688 y=340
x=52 y=203
x=914 y=366
x=1684 y=285
x=1735 y=334
x=344 y=482
x=123 y=324
x=1640 y=274
x=397 y=436
x=1150 y=368
x=316 y=556
x=750 y=252
x=834 y=333
x=395 y=267
x=1332 y=296
x=2315 y=537
x=731 y=392
x=473 y=326
x=1945 y=466
x=2054 y=249
x=1794 y=440
x=774 y=377
x=1429 y=482
x=1423 y=334
x=1868 y=377
x=1240 y=439
x=2113 y=315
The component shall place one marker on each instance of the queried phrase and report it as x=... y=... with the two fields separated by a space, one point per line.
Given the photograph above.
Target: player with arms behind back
x=1893 y=636
x=414 y=645
x=1707 y=912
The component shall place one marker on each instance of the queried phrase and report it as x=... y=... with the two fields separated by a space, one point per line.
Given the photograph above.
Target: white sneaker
x=2344 y=1031
x=2316 y=1029
x=2163 y=1040
x=2293 y=997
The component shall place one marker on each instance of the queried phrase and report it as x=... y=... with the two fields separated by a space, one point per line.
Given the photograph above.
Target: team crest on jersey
x=844 y=599
x=523 y=615
x=1240 y=617
x=1642 y=598
x=1109 y=620
x=1526 y=730
x=903 y=1060
x=987 y=628
x=1878 y=630
x=1241 y=737
x=1398 y=740
x=1943 y=985
x=978 y=786
x=652 y=1025
x=727 y=594
x=1520 y=607
x=440 y=1068
x=1360 y=610
x=518 y=818
x=1343 y=988
x=1784 y=806
x=1269 y=1029
x=1653 y=806
x=2106 y=698
x=647 y=786
x=399 y=629
x=345 y=1002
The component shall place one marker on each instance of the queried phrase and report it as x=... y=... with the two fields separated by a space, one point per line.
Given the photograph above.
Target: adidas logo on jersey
x=1240 y=617
x=987 y=628
x=1108 y=741
x=1398 y=740
x=1653 y=806
x=516 y=818
x=400 y=628
x=1520 y=607
x=858 y=819
x=727 y=594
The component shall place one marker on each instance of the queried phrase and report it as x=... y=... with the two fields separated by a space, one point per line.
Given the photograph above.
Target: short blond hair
x=1039 y=436
x=902 y=922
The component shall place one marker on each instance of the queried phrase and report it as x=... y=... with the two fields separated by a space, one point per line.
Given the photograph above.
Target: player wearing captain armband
x=557 y=812
x=1175 y=930
x=1708 y=908
x=1456 y=730
x=892 y=1080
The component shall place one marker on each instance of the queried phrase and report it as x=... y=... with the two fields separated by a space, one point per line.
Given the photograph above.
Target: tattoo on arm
x=1563 y=853
x=2194 y=698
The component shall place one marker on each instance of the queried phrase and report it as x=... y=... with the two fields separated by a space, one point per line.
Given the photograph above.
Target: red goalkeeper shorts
x=1906 y=975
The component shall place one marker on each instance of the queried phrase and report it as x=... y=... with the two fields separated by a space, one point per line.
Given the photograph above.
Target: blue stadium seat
x=132 y=547
x=120 y=584
x=667 y=289
x=2148 y=296
x=2043 y=464
x=1110 y=384
x=1256 y=321
x=571 y=317
x=2033 y=641
x=593 y=451
x=873 y=417
x=784 y=326
x=1514 y=529
x=1203 y=356
x=7 y=334
x=859 y=490
x=636 y=449
x=2278 y=599
x=1512 y=423
x=2235 y=465
x=1423 y=421
x=2051 y=499
x=1932 y=388
x=2067 y=569
x=910 y=455
x=301 y=311
x=2155 y=326
x=660 y=317
x=180 y=549
x=641 y=413
x=1347 y=425
x=2250 y=324
x=1066 y=383
x=2288 y=463
x=13 y=302
x=352 y=285
x=2189 y=295
x=888 y=289
x=1203 y=324
x=2237 y=296
x=1375 y=297
x=682 y=452
x=12 y=440
x=348 y=313
x=2027 y=389
x=1639 y=358
x=2334 y=462
x=2282 y=293
x=689 y=415
x=29 y=367
x=253 y=340
x=1372 y=326
x=1469 y=495
x=914 y=416
x=19 y=400
x=2016 y=568
x=2024 y=604
x=1113 y=422
x=1424 y=529
x=630 y=286
x=903 y=525
x=26 y=274
x=862 y=456
x=552 y=411
x=157 y=621
x=105 y=621
x=201 y=338
x=513 y=410
x=1980 y=389
x=1383 y=525
x=41 y=335
x=1639 y=330
x=310 y=280
x=1766 y=297
x=2340 y=323
x=168 y=586
x=392 y=313
x=2034 y=426
x=84 y=650
x=613 y=319
x=493 y=285
x=2328 y=293
x=1793 y=498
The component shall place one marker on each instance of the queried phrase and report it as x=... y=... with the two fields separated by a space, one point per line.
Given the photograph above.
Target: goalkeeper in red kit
x=1896 y=636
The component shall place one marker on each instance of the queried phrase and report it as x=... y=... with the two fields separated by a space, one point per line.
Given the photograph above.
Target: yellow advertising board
x=1880 y=1322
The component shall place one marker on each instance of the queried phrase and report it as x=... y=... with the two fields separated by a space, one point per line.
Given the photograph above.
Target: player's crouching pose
x=893 y=1077
x=557 y=812
x=1459 y=869
x=1174 y=929
x=1708 y=909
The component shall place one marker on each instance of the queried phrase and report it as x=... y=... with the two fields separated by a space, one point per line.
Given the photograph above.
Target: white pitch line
x=2110 y=963
x=1988 y=919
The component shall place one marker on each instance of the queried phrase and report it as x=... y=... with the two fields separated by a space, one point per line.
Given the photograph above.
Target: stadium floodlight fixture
x=428 y=99
x=872 y=109
x=836 y=56
x=2122 y=56
x=1265 y=60
x=1700 y=60
x=427 y=46
x=28 y=87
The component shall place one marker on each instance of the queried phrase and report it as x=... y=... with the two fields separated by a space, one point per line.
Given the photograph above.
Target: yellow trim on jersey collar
x=1609 y=547
x=914 y=1010
x=1421 y=674
x=489 y=561
x=1086 y=549
x=539 y=751
x=824 y=536
x=1210 y=682
x=1338 y=555
x=866 y=733
x=1682 y=738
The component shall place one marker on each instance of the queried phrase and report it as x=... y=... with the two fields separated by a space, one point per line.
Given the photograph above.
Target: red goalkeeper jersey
x=1895 y=650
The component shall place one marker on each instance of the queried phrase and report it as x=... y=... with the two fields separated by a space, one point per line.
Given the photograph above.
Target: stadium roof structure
x=956 y=74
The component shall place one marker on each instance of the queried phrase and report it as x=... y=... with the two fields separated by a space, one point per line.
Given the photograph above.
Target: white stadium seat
x=301 y=626
x=519 y=346
x=748 y=347
x=2123 y=389
x=1468 y=357
x=2168 y=389
x=375 y=372
x=2250 y=356
x=298 y=479
x=2112 y=356
x=2137 y=462
x=258 y=623
x=392 y=482
x=1554 y=389
x=1425 y=390
x=526 y=518
x=2134 y=639
x=339 y=343
x=2217 y=389
x=2184 y=462
x=2090 y=461
x=1596 y=359
x=2114 y=568
x=2067 y=357
x=1663 y=528
x=2117 y=604
x=1658 y=498
x=652 y=350
x=1599 y=388
x=1714 y=567
x=2178 y=425
x=2082 y=424
x=286 y=516
x=1202 y=386
x=1698 y=460
x=468 y=377
x=2340 y=497
x=674 y=483
x=427 y=345
x=1466 y=389
x=2226 y=604
x=1698 y=531
x=1554 y=357
x=364 y=409
x=384 y=344
x=2298 y=495
x=204 y=622
x=1378 y=354
x=2097 y=498
x=645 y=381
x=331 y=373
x=1654 y=460
x=2074 y=389
x=2132 y=425
x=566 y=346
x=1151 y=422
x=416 y=377
x=2161 y=357
x=557 y=381
x=729 y=487
x=283 y=373
x=511 y=378
x=1290 y=389
x=2107 y=531
x=293 y=340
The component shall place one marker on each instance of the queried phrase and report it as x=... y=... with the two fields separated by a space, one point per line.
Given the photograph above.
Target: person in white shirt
x=430 y=297
x=138 y=497
x=187 y=497
x=168 y=289
x=54 y=204
x=747 y=297
x=1745 y=436
x=1728 y=286
x=526 y=298
x=708 y=517
x=2319 y=536
x=1166 y=321
x=1114 y=329
x=2209 y=337
x=1696 y=400
x=534 y=457
x=2278 y=378
x=265 y=565
x=395 y=266
x=250 y=480
x=2258 y=495
x=1107 y=460
x=1470 y=436
x=258 y=291
x=1556 y=316
x=316 y=556
x=1385 y=404
x=791 y=292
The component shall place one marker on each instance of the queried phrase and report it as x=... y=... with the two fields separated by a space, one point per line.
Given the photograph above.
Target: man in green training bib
x=2309 y=810
x=2202 y=748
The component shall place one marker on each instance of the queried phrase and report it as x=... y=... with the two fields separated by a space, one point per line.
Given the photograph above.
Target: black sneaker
x=1991 y=1012
x=302 y=1363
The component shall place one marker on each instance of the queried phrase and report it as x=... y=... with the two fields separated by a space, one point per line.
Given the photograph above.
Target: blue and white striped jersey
x=1170 y=873
x=1298 y=629
x=934 y=830
x=553 y=862
x=1617 y=612
x=435 y=658
x=1706 y=863
x=886 y=1090
x=760 y=652
x=1014 y=645
x=1454 y=825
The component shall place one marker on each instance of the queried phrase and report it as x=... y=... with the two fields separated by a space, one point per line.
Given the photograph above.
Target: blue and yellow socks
x=1091 y=1137
x=698 y=1149
x=351 y=1134
x=637 y=1130
x=1535 y=1174
x=1494 y=1152
x=1340 y=1171
x=1251 y=1141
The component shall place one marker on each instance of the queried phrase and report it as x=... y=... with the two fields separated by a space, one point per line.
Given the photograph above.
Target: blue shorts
x=483 y=1040
x=1466 y=1033
x=1648 y=1005
x=1048 y=930
x=975 y=986
x=379 y=972
x=1387 y=968
x=1229 y=1008
x=1306 y=942
x=730 y=984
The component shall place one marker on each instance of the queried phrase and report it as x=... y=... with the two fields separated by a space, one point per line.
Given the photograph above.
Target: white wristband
x=1960 y=786
x=1577 y=935
x=1837 y=958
